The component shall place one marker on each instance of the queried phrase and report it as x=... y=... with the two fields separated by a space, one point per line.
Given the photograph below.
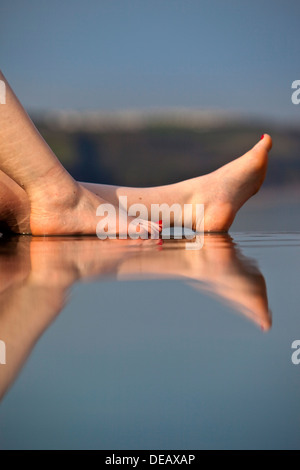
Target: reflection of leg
x=27 y=306
x=26 y=311
x=223 y=192
x=218 y=268
x=58 y=204
x=14 y=261
x=39 y=273
x=71 y=259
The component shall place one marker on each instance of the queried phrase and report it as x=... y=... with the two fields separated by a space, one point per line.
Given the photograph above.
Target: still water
x=140 y=345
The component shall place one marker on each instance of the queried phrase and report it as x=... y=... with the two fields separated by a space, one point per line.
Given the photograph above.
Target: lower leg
x=24 y=155
x=58 y=204
x=222 y=192
x=14 y=206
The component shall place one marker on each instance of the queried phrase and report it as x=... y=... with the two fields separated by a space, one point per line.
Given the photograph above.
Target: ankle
x=56 y=188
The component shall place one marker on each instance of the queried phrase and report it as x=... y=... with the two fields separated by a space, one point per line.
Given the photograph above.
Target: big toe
x=266 y=142
x=258 y=156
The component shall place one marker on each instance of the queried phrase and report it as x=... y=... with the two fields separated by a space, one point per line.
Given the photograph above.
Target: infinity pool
x=147 y=345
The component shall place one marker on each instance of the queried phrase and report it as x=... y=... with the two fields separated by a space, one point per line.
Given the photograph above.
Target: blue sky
x=115 y=54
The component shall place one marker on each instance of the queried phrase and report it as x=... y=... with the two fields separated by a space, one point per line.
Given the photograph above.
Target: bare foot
x=63 y=208
x=224 y=191
x=60 y=207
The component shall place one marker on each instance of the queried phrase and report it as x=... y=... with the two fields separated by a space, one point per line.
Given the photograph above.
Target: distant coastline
x=160 y=146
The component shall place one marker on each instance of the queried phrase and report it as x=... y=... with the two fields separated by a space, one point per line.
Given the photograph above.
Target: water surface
x=147 y=345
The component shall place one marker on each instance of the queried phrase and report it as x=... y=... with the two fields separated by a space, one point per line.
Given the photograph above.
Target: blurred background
x=134 y=92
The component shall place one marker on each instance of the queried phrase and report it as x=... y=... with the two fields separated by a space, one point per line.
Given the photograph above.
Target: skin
x=38 y=196
x=40 y=271
x=54 y=202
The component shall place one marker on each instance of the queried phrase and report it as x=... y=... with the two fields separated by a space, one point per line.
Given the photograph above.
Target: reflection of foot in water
x=39 y=273
x=218 y=268
x=237 y=281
